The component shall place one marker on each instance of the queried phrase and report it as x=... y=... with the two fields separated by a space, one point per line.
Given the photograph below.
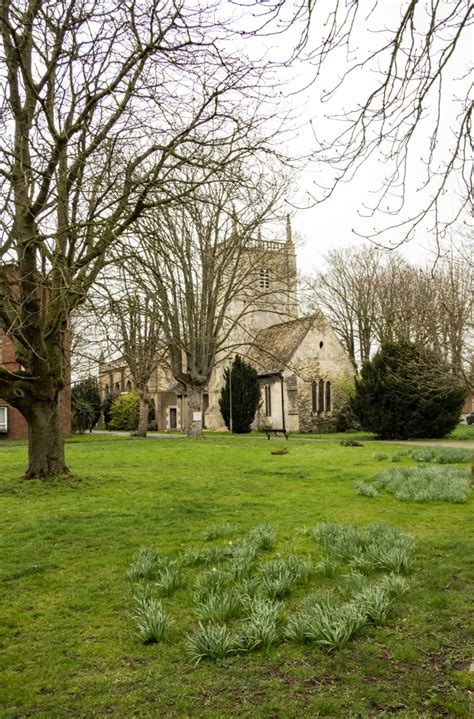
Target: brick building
x=12 y=423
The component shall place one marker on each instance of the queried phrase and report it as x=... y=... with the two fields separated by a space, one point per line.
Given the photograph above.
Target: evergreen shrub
x=406 y=392
x=240 y=382
x=124 y=412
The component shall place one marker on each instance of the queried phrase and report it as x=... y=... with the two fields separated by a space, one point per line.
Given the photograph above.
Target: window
x=3 y=419
x=328 y=397
x=173 y=418
x=129 y=386
x=117 y=386
x=268 y=400
x=314 y=397
x=321 y=396
x=106 y=389
x=264 y=278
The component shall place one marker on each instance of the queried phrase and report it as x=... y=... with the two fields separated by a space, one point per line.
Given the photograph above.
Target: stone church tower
x=267 y=297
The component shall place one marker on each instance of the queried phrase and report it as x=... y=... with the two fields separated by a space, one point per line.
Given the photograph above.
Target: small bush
x=354 y=582
x=145 y=565
x=218 y=606
x=373 y=603
x=262 y=538
x=394 y=585
x=300 y=569
x=326 y=624
x=426 y=484
x=247 y=587
x=379 y=456
x=210 y=581
x=217 y=531
x=151 y=620
x=340 y=541
x=208 y=556
x=380 y=547
x=243 y=562
x=279 y=576
x=386 y=549
x=260 y=628
x=328 y=567
x=210 y=641
x=350 y=443
x=169 y=580
x=441 y=455
x=365 y=489
x=276 y=579
x=124 y=412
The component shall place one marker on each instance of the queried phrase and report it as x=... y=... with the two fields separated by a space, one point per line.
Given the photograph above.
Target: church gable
x=275 y=346
x=300 y=364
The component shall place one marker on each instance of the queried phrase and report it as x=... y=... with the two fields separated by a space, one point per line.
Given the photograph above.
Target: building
x=12 y=423
x=299 y=360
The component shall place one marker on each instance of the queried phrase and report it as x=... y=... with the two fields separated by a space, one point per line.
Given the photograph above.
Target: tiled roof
x=275 y=346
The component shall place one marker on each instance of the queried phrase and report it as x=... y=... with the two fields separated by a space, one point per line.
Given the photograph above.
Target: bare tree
x=101 y=107
x=372 y=298
x=455 y=280
x=130 y=326
x=347 y=294
x=405 y=301
x=195 y=259
x=394 y=80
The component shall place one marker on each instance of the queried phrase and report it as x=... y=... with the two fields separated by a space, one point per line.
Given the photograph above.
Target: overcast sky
x=332 y=224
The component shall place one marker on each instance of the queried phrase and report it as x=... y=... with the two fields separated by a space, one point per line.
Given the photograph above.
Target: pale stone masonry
x=299 y=360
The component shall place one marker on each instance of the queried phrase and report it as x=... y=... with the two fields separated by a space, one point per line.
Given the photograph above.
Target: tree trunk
x=195 y=412
x=143 y=413
x=46 y=442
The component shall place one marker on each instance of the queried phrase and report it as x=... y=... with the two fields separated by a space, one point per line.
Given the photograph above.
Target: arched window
x=328 y=397
x=321 y=396
x=314 y=397
x=268 y=400
x=129 y=386
x=106 y=389
x=117 y=386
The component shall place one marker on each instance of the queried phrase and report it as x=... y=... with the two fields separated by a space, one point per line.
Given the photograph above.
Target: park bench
x=276 y=432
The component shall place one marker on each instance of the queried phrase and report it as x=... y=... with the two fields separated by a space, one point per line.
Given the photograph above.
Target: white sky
x=330 y=224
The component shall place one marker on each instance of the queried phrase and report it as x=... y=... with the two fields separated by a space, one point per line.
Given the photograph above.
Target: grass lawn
x=67 y=642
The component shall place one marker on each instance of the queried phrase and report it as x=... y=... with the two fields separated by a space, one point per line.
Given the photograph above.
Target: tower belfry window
x=264 y=277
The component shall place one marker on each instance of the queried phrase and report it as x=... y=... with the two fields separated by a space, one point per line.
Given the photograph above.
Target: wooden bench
x=276 y=432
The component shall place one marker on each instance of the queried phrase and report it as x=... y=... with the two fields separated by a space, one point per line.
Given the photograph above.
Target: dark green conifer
x=407 y=391
x=240 y=380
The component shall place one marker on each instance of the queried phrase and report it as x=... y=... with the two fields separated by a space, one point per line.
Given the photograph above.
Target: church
x=299 y=360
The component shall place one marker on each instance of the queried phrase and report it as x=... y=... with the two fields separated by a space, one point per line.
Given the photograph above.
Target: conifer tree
x=406 y=392
x=241 y=387
x=86 y=405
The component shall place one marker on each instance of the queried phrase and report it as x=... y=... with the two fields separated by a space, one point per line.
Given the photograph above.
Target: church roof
x=275 y=346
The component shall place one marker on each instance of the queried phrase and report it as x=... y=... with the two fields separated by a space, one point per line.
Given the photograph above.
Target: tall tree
x=195 y=258
x=102 y=106
x=372 y=297
x=395 y=79
x=86 y=405
x=347 y=294
x=130 y=324
x=407 y=391
x=240 y=396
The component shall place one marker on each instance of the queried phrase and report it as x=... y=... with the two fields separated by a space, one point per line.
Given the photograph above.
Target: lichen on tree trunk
x=195 y=412
x=143 y=412
x=46 y=456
